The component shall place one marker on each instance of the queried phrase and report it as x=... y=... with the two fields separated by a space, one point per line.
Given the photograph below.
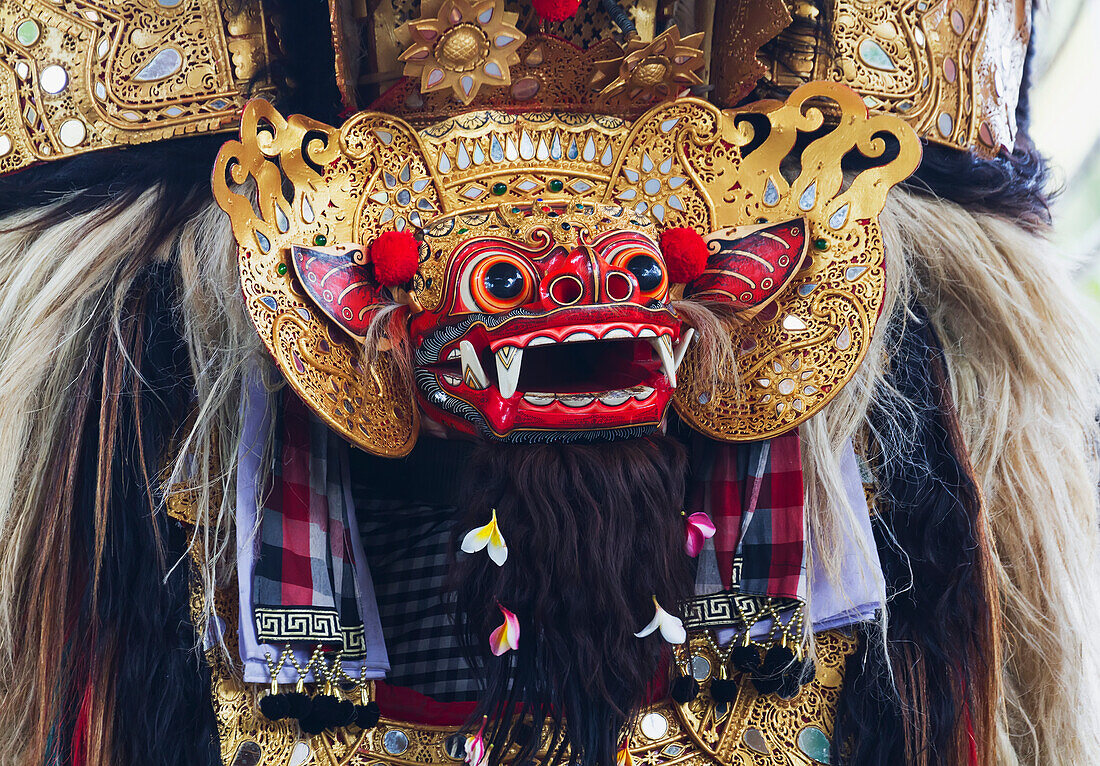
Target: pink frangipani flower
x=505 y=637
x=699 y=529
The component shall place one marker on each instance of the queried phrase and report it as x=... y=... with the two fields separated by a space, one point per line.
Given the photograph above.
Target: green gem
x=821 y=244
x=556 y=185
x=499 y=188
x=281 y=268
x=320 y=240
x=463 y=231
x=813 y=742
x=27 y=33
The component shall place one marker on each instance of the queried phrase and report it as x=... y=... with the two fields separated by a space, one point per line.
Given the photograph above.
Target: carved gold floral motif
x=658 y=70
x=462 y=45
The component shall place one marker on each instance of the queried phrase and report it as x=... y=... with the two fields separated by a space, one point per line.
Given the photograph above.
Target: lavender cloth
x=254 y=427
x=863 y=591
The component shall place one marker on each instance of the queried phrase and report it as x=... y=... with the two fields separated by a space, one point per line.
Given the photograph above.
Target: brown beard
x=594 y=533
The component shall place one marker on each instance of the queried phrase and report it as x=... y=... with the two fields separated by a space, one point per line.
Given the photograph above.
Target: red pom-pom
x=685 y=254
x=556 y=10
x=395 y=255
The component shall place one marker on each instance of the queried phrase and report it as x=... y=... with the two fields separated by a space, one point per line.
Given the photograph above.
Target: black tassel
x=773 y=673
x=366 y=716
x=685 y=689
x=746 y=658
x=723 y=690
x=776 y=661
x=767 y=684
x=275 y=707
x=324 y=713
x=345 y=714
x=298 y=705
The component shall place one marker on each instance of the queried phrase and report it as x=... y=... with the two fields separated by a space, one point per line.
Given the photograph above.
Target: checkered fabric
x=303 y=584
x=753 y=493
x=407 y=547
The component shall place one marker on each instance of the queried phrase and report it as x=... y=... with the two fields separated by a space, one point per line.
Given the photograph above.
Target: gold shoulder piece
x=950 y=68
x=79 y=77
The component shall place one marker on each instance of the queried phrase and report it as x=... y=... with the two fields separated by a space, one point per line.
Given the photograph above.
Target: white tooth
x=682 y=346
x=578 y=337
x=647 y=334
x=577 y=400
x=615 y=398
x=644 y=393
x=452 y=380
x=539 y=400
x=509 y=361
x=618 y=333
x=453 y=354
x=472 y=372
x=541 y=340
x=663 y=347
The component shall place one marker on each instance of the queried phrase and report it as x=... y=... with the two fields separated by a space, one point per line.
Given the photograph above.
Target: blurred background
x=1065 y=115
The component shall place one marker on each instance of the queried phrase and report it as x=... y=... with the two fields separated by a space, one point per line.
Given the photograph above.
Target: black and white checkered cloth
x=406 y=545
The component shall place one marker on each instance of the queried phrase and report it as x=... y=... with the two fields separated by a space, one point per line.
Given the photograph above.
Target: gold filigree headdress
x=106 y=74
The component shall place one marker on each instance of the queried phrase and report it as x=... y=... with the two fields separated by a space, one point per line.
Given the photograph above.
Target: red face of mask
x=559 y=328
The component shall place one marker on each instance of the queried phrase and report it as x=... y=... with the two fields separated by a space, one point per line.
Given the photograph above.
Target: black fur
x=163 y=713
x=928 y=543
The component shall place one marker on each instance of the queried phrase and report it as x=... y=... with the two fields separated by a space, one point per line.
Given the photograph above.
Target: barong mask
x=538 y=294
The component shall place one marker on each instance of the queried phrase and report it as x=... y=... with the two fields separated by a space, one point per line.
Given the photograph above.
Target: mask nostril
x=566 y=290
x=618 y=286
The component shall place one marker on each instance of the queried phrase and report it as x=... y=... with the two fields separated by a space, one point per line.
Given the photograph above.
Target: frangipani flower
x=699 y=529
x=507 y=635
x=671 y=626
x=488 y=536
x=476 y=753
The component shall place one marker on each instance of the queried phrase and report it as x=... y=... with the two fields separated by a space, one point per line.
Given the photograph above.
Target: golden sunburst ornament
x=462 y=45
x=653 y=71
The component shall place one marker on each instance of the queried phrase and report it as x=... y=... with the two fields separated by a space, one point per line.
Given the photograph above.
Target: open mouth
x=588 y=372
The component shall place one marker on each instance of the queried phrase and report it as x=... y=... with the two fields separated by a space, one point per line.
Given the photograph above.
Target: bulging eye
x=647 y=271
x=501 y=283
x=504 y=281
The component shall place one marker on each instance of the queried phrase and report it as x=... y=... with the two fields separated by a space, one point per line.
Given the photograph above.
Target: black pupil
x=646 y=270
x=504 y=281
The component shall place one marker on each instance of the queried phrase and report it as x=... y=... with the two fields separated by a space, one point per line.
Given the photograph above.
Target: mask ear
x=341 y=284
x=749 y=266
x=293 y=180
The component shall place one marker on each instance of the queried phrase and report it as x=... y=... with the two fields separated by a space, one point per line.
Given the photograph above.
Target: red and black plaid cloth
x=303 y=585
x=753 y=493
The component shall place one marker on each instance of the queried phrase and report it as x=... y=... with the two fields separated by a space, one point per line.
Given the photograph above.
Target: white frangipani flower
x=671 y=627
x=488 y=536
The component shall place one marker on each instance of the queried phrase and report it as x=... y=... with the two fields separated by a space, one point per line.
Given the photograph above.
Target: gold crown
x=76 y=77
x=950 y=68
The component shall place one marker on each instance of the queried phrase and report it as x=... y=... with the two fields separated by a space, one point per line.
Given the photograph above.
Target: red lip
x=595 y=369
